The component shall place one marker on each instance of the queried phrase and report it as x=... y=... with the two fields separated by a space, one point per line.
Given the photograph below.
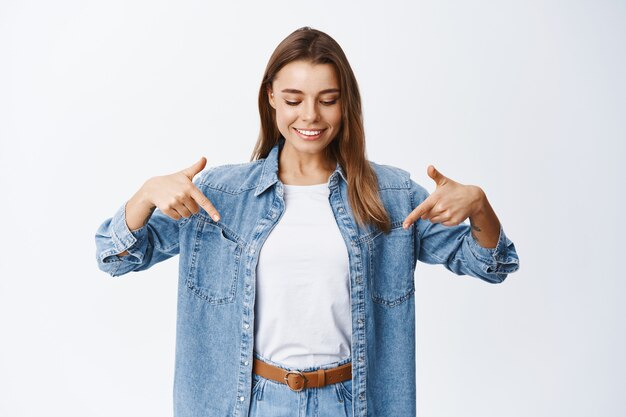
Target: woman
x=296 y=274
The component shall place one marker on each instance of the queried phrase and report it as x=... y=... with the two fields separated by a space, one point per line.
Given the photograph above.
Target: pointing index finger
x=205 y=203
x=424 y=207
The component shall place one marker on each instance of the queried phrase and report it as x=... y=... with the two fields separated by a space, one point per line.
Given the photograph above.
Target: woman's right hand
x=176 y=195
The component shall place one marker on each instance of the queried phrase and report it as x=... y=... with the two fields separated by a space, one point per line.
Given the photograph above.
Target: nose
x=310 y=112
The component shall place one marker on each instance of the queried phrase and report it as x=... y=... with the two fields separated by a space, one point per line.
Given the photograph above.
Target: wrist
x=142 y=197
x=138 y=210
x=480 y=201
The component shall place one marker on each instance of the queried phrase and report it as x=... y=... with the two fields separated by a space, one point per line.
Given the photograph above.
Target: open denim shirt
x=216 y=285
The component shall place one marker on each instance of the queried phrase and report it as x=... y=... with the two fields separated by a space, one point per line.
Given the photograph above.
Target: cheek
x=284 y=116
x=334 y=117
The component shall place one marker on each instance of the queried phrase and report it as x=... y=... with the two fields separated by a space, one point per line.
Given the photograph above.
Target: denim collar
x=269 y=173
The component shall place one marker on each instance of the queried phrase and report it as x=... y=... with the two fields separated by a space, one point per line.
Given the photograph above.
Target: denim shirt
x=216 y=284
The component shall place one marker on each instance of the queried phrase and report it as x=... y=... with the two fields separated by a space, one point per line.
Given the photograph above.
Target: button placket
x=352 y=240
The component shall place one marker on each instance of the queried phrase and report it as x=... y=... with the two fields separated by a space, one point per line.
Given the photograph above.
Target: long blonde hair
x=348 y=148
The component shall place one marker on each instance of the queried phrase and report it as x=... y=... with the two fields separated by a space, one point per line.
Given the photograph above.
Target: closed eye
x=326 y=103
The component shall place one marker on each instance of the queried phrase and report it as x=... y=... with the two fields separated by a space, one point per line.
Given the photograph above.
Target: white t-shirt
x=302 y=307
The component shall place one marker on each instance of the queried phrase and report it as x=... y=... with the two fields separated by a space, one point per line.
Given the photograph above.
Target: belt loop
x=321 y=377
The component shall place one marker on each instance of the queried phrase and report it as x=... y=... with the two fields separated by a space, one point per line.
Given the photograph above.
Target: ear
x=270 y=97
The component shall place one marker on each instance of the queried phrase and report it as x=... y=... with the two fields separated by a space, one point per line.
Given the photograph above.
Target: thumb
x=437 y=176
x=191 y=171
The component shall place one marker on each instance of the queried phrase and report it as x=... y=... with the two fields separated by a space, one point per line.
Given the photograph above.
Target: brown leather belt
x=297 y=380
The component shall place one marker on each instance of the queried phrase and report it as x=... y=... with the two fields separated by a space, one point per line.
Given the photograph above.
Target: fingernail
x=216 y=217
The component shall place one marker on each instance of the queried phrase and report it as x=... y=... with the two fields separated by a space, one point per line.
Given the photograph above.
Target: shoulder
x=232 y=178
x=390 y=176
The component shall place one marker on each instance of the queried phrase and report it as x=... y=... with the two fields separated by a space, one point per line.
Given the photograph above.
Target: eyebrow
x=294 y=91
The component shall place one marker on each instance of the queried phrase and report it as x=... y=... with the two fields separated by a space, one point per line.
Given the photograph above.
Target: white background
x=524 y=98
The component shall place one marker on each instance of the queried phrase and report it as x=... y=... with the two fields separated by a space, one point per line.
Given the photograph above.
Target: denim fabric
x=216 y=282
x=271 y=398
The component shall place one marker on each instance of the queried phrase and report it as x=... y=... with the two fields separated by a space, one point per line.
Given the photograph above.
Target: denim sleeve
x=154 y=242
x=456 y=249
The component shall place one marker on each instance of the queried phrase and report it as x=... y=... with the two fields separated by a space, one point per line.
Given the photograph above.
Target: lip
x=309 y=137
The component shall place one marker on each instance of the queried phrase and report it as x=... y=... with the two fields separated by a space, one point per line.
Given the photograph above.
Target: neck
x=304 y=169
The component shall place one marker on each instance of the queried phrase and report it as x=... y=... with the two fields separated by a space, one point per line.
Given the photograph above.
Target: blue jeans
x=271 y=398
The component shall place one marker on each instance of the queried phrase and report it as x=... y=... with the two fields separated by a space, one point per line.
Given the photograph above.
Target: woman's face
x=308 y=106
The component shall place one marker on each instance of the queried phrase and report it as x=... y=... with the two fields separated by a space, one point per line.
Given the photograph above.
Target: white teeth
x=309 y=132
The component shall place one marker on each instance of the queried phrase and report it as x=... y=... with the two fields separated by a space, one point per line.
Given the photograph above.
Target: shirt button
x=359 y=279
x=246 y=326
x=241 y=398
x=340 y=209
x=360 y=321
x=246 y=363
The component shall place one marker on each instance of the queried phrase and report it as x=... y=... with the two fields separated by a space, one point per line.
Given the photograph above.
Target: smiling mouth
x=312 y=133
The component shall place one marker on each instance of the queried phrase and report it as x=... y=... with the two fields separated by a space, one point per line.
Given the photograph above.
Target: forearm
x=138 y=211
x=484 y=222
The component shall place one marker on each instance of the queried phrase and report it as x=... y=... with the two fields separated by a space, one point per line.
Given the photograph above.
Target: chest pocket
x=214 y=265
x=391 y=270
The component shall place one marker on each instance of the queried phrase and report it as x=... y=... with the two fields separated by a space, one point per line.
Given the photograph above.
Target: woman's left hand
x=450 y=204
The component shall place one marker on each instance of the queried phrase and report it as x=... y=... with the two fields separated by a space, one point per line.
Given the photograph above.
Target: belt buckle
x=295 y=373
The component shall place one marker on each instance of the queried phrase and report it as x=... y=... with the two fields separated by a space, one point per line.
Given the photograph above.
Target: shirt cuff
x=500 y=260
x=125 y=239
